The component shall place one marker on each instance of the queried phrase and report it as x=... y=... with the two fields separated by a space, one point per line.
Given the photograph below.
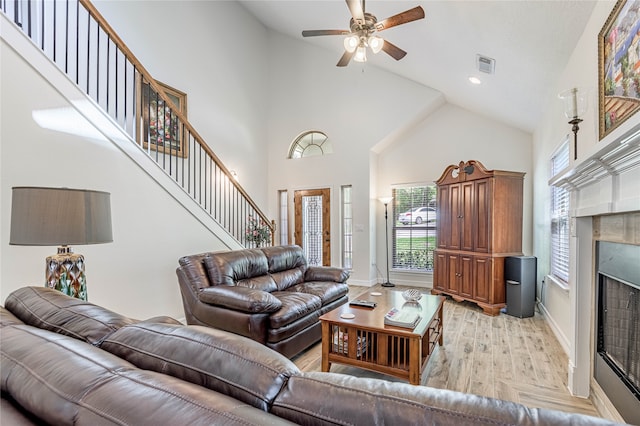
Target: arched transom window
x=309 y=144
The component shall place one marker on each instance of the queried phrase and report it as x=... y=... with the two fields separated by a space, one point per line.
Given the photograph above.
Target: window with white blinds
x=413 y=221
x=347 y=227
x=283 y=212
x=560 y=218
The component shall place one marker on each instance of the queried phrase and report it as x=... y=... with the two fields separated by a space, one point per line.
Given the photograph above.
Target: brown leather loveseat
x=65 y=361
x=270 y=294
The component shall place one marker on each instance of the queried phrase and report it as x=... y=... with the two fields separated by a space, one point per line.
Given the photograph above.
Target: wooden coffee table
x=366 y=342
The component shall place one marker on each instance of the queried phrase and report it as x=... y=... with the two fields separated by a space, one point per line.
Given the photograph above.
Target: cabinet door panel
x=441 y=275
x=483 y=216
x=466 y=278
x=454 y=274
x=482 y=271
x=467 y=216
x=454 y=218
x=444 y=224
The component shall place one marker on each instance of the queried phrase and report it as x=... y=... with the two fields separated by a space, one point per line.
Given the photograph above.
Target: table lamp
x=61 y=217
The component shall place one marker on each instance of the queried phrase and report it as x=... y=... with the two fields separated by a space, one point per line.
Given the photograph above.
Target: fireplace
x=617 y=349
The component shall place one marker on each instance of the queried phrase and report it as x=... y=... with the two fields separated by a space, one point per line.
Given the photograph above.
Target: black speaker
x=520 y=276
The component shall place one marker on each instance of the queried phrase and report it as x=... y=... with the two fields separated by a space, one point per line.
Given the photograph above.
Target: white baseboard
x=562 y=339
x=361 y=283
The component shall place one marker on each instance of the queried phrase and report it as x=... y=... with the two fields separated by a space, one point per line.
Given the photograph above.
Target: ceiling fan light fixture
x=376 y=43
x=351 y=43
x=361 y=54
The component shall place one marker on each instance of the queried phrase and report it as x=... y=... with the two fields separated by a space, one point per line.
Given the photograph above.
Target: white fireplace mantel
x=605 y=181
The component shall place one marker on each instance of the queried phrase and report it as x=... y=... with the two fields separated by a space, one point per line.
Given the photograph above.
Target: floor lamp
x=386 y=201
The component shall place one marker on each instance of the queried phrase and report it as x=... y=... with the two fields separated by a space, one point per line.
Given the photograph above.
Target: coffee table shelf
x=366 y=342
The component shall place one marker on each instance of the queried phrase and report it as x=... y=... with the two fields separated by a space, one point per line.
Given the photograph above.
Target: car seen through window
x=418 y=215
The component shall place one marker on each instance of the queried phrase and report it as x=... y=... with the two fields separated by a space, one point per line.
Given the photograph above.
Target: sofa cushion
x=52 y=310
x=66 y=381
x=194 y=268
x=326 y=273
x=262 y=283
x=361 y=401
x=11 y=413
x=288 y=278
x=240 y=298
x=294 y=307
x=287 y=265
x=216 y=359
x=247 y=268
x=280 y=334
x=326 y=291
x=7 y=318
x=283 y=258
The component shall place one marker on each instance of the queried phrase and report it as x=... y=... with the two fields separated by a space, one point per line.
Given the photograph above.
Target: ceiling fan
x=363 y=33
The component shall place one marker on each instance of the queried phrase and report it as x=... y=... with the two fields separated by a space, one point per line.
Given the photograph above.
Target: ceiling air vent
x=485 y=64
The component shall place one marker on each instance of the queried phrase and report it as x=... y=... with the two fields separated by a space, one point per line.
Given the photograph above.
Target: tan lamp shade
x=59 y=216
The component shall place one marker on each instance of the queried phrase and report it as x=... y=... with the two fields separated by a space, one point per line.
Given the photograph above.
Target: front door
x=313 y=226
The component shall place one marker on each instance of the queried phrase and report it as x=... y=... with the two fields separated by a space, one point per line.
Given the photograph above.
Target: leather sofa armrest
x=243 y=299
x=326 y=273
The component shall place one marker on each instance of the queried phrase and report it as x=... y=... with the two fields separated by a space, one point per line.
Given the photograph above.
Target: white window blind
x=560 y=218
x=283 y=197
x=347 y=228
x=413 y=221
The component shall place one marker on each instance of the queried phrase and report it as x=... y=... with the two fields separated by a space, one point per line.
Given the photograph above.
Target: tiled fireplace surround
x=605 y=206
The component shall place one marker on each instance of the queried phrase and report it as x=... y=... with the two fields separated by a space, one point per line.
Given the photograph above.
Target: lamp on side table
x=62 y=217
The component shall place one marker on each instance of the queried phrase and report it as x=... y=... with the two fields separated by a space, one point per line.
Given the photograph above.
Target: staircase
x=78 y=40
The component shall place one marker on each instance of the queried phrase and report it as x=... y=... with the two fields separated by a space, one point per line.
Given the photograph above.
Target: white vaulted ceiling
x=530 y=40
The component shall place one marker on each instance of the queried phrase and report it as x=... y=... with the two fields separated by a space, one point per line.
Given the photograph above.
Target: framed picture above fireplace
x=619 y=66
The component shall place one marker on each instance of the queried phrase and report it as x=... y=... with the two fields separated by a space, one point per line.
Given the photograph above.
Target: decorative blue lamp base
x=65 y=273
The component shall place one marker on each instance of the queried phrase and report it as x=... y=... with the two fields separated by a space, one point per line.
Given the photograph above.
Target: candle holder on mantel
x=575 y=105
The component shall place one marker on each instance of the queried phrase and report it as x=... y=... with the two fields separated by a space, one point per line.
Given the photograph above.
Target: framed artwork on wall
x=619 y=66
x=159 y=126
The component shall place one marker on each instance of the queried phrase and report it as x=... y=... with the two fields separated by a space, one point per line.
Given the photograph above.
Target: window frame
x=346 y=231
x=560 y=219
x=409 y=263
x=310 y=143
x=283 y=216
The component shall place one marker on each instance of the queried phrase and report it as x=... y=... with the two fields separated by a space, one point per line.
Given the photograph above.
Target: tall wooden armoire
x=479 y=223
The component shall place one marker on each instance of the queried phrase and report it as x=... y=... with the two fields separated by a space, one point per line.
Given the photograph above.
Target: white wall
x=216 y=53
x=134 y=275
x=581 y=71
x=450 y=135
x=250 y=102
x=385 y=130
x=357 y=107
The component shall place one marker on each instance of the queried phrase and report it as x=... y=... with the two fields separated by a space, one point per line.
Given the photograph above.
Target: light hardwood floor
x=505 y=357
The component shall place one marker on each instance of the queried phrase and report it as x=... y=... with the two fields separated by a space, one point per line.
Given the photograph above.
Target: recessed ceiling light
x=475 y=80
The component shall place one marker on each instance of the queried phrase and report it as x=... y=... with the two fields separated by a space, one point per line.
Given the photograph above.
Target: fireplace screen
x=619 y=331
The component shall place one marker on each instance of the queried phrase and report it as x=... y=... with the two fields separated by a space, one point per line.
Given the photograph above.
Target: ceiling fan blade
x=394 y=51
x=401 y=18
x=355 y=7
x=344 y=60
x=313 y=33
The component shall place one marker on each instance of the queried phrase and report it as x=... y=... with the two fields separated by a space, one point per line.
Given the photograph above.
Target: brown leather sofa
x=66 y=361
x=267 y=294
